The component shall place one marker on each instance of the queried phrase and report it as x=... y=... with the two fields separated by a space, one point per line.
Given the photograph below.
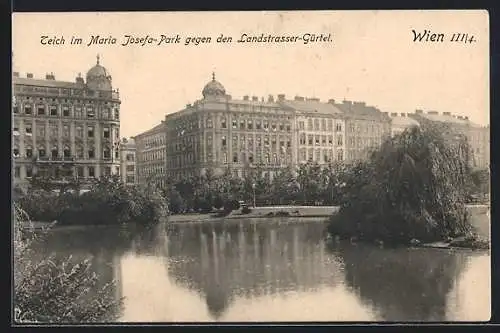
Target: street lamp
x=253 y=188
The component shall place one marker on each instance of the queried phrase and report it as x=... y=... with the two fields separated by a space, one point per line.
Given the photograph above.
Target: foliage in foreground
x=414 y=187
x=56 y=291
x=108 y=202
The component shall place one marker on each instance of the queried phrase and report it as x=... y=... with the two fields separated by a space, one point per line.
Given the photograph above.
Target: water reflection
x=275 y=271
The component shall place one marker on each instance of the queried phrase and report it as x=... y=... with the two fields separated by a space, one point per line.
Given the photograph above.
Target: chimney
x=15 y=74
x=255 y=98
x=403 y=114
x=299 y=98
x=466 y=118
x=270 y=99
x=418 y=111
x=331 y=101
x=281 y=97
x=394 y=114
x=29 y=75
x=446 y=114
x=50 y=76
x=245 y=98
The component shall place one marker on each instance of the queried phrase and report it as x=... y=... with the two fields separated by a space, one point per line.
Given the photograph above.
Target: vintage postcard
x=266 y=166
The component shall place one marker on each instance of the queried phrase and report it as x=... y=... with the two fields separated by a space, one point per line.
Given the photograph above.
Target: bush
x=246 y=210
x=56 y=291
x=108 y=202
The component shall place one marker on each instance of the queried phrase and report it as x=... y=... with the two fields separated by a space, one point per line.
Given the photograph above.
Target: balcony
x=54 y=159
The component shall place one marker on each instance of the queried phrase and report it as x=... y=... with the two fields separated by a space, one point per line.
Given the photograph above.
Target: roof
x=45 y=83
x=156 y=128
x=404 y=122
x=312 y=106
x=361 y=109
x=449 y=119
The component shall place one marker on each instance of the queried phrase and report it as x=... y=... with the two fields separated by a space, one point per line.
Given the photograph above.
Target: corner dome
x=214 y=88
x=98 y=77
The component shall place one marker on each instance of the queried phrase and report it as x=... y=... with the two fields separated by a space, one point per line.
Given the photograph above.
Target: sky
x=371 y=58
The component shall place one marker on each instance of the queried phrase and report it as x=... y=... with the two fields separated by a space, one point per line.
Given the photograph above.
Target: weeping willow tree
x=414 y=186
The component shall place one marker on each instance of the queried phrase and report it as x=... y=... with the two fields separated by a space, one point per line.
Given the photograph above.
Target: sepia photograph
x=251 y=167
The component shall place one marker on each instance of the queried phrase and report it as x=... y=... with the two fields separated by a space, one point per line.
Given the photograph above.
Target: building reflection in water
x=229 y=262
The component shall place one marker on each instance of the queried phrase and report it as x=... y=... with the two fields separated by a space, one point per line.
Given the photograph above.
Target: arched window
x=209 y=122
x=15 y=151
x=67 y=152
x=28 y=151
x=41 y=151
x=54 y=152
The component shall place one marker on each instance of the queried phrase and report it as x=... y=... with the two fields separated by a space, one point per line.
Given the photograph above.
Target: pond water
x=276 y=270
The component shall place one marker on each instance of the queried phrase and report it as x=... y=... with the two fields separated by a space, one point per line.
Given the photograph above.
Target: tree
x=415 y=186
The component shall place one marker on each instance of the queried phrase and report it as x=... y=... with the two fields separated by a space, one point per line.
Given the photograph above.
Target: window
x=117 y=113
x=301 y=125
x=15 y=152
x=105 y=132
x=28 y=130
x=79 y=132
x=330 y=140
x=117 y=154
x=17 y=172
x=223 y=141
x=54 y=130
x=310 y=139
x=79 y=152
x=288 y=127
x=302 y=139
x=223 y=123
x=67 y=152
x=90 y=131
x=273 y=126
x=338 y=127
x=249 y=124
x=90 y=112
x=316 y=140
x=267 y=158
x=323 y=140
x=235 y=123
x=53 y=110
x=316 y=124
x=130 y=157
x=78 y=112
x=41 y=152
x=323 y=125
x=106 y=153
x=282 y=127
x=105 y=113
x=340 y=155
x=303 y=154
x=242 y=124
x=130 y=179
x=266 y=125
x=91 y=153
x=15 y=108
x=235 y=157
x=27 y=109
x=66 y=131
x=309 y=124
x=54 y=152
x=41 y=110
x=29 y=171
x=258 y=125
x=330 y=125
x=79 y=171
x=340 y=140
x=91 y=171
x=209 y=123
x=130 y=168
x=29 y=152
x=107 y=171
x=65 y=111
x=224 y=158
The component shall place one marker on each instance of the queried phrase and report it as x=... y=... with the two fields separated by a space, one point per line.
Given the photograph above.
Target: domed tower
x=213 y=89
x=98 y=78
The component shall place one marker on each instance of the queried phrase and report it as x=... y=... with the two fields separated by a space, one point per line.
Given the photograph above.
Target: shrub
x=246 y=210
x=56 y=291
